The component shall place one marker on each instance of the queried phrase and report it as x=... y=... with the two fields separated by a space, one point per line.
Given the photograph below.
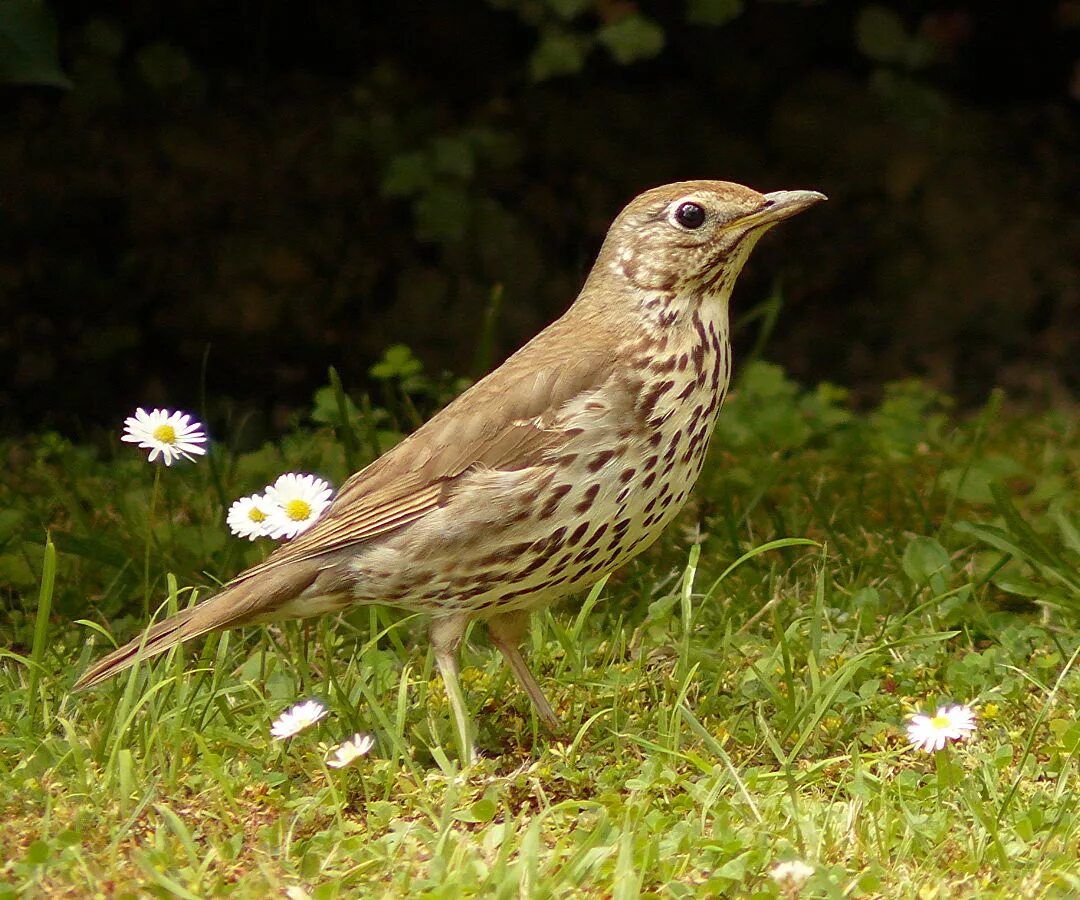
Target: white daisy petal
x=351 y=750
x=791 y=875
x=170 y=435
x=297 y=718
x=950 y=723
x=249 y=517
x=297 y=502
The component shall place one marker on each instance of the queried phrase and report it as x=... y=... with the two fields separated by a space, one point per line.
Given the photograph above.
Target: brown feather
x=503 y=424
x=236 y=604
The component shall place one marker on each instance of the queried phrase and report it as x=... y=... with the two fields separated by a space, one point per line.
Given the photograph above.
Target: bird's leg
x=446 y=634
x=506 y=631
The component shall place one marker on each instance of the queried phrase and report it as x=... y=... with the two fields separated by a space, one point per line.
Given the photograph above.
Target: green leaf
x=924 y=557
x=28 y=45
x=994 y=536
x=37 y=853
x=766 y=380
x=764 y=410
x=442 y=214
x=326 y=409
x=972 y=483
x=661 y=608
x=1070 y=534
x=866 y=600
x=41 y=626
x=632 y=38
x=454 y=156
x=10 y=520
x=1032 y=542
x=407 y=175
x=734 y=869
x=1022 y=587
x=68 y=838
x=397 y=362
x=880 y=34
x=483 y=810
x=347 y=414
x=559 y=53
x=568 y=9
x=713 y=12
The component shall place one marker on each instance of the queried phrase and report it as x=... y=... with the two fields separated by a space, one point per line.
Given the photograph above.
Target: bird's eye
x=690 y=215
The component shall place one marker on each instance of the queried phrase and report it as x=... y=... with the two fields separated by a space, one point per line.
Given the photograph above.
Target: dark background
x=298 y=185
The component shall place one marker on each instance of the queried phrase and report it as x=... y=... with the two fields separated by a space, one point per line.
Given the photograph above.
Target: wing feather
x=505 y=423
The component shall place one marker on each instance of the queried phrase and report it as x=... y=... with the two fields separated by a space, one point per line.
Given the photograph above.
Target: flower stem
x=946 y=775
x=150 y=540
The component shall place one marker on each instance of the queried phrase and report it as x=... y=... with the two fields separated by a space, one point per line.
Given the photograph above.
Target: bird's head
x=693 y=237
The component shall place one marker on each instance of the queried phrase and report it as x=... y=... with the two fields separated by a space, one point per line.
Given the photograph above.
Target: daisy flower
x=170 y=435
x=790 y=876
x=297 y=718
x=951 y=723
x=249 y=517
x=351 y=750
x=297 y=501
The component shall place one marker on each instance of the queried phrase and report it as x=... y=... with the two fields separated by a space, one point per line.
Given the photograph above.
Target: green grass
x=719 y=718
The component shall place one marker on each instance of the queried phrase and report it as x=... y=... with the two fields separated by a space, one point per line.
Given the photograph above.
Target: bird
x=558 y=467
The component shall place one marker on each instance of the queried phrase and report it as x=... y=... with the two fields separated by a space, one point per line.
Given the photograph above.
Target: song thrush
x=561 y=465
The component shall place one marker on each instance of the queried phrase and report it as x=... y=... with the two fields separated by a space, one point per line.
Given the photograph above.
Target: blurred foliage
x=569 y=30
x=28 y=45
x=224 y=205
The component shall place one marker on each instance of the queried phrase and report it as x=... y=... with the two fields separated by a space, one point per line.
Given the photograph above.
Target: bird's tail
x=243 y=601
x=156 y=639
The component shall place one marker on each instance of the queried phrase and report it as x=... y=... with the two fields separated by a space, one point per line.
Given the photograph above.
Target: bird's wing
x=508 y=423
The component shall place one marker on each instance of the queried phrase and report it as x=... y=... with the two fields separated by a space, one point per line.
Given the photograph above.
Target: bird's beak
x=780 y=205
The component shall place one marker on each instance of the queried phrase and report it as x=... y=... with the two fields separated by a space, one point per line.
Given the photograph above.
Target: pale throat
x=666 y=310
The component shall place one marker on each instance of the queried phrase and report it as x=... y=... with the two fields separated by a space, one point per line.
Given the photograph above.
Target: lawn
x=734 y=700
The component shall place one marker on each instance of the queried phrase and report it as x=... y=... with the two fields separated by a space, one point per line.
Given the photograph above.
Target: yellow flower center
x=256 y=514
x=940 y=722
x=165 y=434
x=298 y=510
